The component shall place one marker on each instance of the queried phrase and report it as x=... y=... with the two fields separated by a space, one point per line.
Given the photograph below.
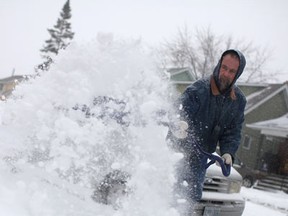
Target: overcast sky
x=24 y=24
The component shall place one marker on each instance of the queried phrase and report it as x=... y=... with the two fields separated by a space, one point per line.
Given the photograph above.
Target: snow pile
x=52 y=147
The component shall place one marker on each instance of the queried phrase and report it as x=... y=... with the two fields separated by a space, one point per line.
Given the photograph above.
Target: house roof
x=252 y=84
x=181 y=75
x=256 y=99
x=274 y=127
x=7 y=85
x=12 y=78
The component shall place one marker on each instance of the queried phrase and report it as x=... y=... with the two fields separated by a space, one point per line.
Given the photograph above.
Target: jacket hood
x=240 y=70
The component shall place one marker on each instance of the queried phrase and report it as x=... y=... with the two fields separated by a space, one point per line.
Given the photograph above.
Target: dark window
x=247 y=142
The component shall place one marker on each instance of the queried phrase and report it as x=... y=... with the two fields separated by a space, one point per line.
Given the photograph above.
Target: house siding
x=181 y=77
x=247 y=90
x=181 y=88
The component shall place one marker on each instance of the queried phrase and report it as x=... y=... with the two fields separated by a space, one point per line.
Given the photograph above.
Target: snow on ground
x=265 y=203
x=34 y=192
x=253 y=209
x=52 y=154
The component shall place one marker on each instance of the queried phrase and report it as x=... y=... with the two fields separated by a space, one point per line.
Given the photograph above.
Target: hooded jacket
x=213 y=116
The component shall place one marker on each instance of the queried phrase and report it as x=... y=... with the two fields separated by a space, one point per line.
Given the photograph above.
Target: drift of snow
x=53 y=155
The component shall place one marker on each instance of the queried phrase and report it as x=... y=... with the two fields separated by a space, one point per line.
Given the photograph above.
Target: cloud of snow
x=45 y=126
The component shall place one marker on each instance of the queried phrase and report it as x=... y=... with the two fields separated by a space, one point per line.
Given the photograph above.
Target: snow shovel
x=226 y=168
x=180 y=132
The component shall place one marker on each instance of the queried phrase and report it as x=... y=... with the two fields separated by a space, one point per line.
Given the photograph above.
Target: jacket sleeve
x=231 y=136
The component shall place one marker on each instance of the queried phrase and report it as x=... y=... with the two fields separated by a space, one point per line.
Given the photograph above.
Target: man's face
x=228 y=71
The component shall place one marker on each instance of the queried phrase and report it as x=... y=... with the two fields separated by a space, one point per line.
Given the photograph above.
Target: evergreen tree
x=61 y=35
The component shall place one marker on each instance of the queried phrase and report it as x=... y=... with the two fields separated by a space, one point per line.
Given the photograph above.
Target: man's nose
x=225 y=73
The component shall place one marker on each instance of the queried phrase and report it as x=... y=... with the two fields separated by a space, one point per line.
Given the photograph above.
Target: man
x=214 y=110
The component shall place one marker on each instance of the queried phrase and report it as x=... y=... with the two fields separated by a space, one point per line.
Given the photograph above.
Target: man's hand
x=227 y=158
x=179 y=129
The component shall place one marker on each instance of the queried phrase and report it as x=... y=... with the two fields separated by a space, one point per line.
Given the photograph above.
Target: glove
x=227 y=158
x=179 y=129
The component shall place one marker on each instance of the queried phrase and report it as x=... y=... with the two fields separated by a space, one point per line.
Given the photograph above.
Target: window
x=247 y=142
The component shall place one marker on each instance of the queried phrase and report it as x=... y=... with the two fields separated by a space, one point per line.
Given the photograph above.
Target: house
x=264 y=144
x=8 y=84
x=264 y=135
x=275 y=129
x=181 y=77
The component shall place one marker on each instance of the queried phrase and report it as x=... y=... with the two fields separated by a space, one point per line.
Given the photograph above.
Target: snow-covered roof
x=12 y=78
x=181 y=75
x=258 y=98
x=274 y=127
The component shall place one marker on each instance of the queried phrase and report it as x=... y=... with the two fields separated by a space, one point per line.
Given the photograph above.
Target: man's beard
x=224 y=84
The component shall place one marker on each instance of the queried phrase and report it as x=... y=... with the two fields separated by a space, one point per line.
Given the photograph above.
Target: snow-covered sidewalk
x=264 y=203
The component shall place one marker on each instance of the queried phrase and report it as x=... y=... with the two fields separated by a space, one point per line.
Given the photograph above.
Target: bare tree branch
x=200 y=51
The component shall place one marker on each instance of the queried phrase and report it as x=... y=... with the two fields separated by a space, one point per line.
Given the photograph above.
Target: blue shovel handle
x=226 y=168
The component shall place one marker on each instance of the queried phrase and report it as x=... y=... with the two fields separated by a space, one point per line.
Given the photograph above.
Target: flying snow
x=94 y=111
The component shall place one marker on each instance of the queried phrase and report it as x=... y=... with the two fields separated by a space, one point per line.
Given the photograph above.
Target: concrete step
x=258 y=187
x=277 y=178
x=272 y=183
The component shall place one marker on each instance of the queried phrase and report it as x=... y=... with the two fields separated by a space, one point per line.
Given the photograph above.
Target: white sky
x=24 y=24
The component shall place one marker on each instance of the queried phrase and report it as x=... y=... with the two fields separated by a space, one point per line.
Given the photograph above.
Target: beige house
x=8 y=84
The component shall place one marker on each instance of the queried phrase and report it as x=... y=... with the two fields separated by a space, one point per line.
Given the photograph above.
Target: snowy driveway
x=265 y=203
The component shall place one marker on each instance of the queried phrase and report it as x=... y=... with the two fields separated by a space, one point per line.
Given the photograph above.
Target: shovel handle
x=226 y=168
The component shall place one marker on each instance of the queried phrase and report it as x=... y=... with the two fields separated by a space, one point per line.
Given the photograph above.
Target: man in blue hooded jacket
x=213 y=107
